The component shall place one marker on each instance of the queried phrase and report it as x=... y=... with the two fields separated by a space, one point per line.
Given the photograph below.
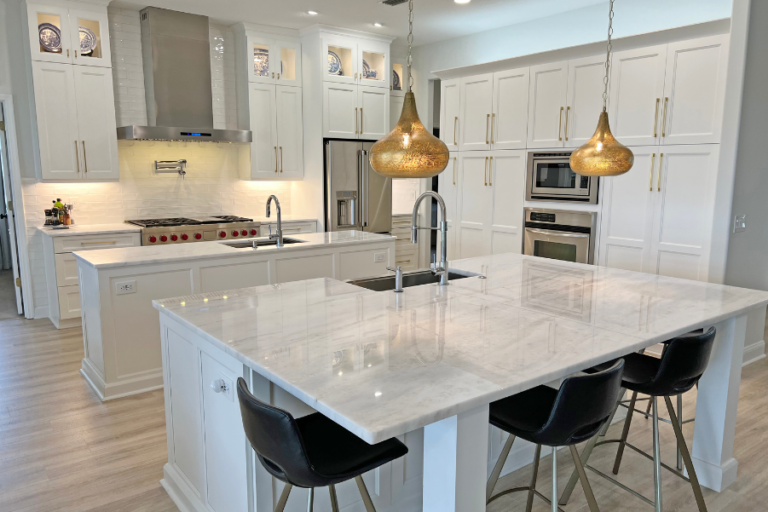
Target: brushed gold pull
x=67 y=52
x=99 y=243
x=75 y=53
x=361 y=120
x=567 y=114
x=77 y=157
x=278 y=76
x=455 y=121
x=273 y=74
x=493 y=120
x=490 y=172
x=281 y=158
x=650 y=178
x=454 y=170
x=487 y=121
x=356 y=130
x=664 y=119
x=560 y=127
x=85 y=158
x=390 y=87
x=658 y=182
x=656 y=119
x=485 y=172
x=275 y=158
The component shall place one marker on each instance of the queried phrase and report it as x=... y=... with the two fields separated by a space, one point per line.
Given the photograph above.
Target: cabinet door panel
x=694 y=86
x=546 y=105
x=290 y=138
x=476 y=109
x=509 y=120
x=58 y=17
x=98 y=25
x=450 y=105
x=308 y=267
x=474 y=200
x=340 y=114
x=69 y=302
x=395 y=109
x=261 y=56
x=228 y=277
x=263 y=124
x=373 y=64
x=374 y=112
x=627 y=216
x=637 y=90
x=507 y=185
x=346 y=51
x=585 y=99
x=56 y=106
x=96 y=122
x=288 y=62
x=447 y=186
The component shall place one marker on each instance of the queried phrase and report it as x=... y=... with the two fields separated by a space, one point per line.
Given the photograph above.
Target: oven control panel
x=542 y=217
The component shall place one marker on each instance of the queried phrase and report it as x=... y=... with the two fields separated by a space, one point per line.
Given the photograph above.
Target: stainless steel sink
x=261 y=242
x=382 y=284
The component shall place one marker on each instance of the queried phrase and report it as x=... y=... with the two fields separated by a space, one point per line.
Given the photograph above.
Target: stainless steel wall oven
x=561 y=235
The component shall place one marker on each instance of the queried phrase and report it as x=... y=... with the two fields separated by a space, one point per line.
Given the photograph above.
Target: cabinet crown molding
x=328 y=29
x=264 y=29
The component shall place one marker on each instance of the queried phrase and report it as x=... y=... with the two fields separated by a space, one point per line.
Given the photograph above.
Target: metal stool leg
x=648 y=409
x=534 y=477
x=584 y=482
x=656 y=456
x=311 y=500
x=334 y=499
x=686 y=457
x=364 y=493
x=554 y=479
x=498 y=467
x=680 y=417
x=283 y=498
x=625 y=433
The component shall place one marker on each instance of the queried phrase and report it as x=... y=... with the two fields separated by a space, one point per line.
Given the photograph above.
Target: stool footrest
x=520 y=489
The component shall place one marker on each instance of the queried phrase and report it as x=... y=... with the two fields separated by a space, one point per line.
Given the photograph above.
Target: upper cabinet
x=273 y=60
x=450 y=104
x=57 y=34
x=352 y=60
x=398 y=84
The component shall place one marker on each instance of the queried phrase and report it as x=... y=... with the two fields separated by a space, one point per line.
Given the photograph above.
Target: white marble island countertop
x=90 y=229
x=144 y=255
x=382 y=364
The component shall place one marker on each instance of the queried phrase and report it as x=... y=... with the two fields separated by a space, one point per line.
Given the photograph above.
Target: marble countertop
x=90 y=229
x=286 y=218
x=381 y=364
x=147 y=255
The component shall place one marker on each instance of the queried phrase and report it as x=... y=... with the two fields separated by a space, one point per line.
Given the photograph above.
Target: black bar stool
x=551 y=417
x=680 y=367
x=312 y=451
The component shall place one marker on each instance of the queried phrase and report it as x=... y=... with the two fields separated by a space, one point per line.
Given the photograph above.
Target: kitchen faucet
x=279 y=235
x=442 y=270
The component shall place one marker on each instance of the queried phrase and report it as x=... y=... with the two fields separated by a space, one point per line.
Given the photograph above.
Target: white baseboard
x=110 y=391
x=754 y=352
x=41 y=312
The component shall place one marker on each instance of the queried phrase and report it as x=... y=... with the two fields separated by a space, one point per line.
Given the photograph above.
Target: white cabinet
x=399 y=82
x=448 y=187
x=450 y=105
x=395 y=109
x=271 y=59
x=78 y=37
x=547 y=97
x=356 y=60
x=355 y=112
x=290 y=139
x=584 y=99
x=289 y=228
x=374 y=112
x=75 y=121
x=475 y=113
x=658 y=217
x=474 y=201
x=509 y=119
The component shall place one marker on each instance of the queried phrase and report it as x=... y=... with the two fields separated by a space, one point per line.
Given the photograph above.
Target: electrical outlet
x=740 y=223
x=379 y=257
x=124 y=287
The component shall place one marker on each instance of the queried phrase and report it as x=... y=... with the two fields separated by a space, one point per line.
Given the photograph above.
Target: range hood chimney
x=175 y=48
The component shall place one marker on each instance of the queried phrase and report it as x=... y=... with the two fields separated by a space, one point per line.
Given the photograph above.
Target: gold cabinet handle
x=273 y=74
x=75 y=53
x=485 y=172
x=656 y=120
x=454 y=170
x=99 y=243
x=77 y=157
x=487 y=122
x=658 y=181
x=85 y=157
x=493 y=120
x=560 y=126
x=361 y=120
x=67 y=52
x=455 y=121
x=490 y=172
x=650 y=178
x=567 y=114
x=281 y=158
x=275 y=158
x=356 y=130
x=664 y=119
x=278 y=76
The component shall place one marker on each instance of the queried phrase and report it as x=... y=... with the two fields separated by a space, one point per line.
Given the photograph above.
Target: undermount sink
x=261 y=242
x=382 y=284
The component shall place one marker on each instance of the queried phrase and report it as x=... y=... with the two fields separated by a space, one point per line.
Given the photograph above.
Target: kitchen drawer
x=66 y=269
x=401 y=222
x=409 y=260
x=69 y=302
x=290 y=228
x=86 y=242
x=402 y=234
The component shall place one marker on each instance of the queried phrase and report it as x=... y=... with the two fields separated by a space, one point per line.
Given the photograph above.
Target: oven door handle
x=557 y=233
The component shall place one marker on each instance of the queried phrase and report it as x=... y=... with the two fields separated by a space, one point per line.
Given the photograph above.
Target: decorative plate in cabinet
x=334 y=64
x=50 y=37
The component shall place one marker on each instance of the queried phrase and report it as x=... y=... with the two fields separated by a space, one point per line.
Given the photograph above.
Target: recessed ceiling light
x=377 y=24
x=462 y=1
x=312 y=13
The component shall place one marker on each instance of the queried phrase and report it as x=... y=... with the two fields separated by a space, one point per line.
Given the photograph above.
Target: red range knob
x=235 y=233
x=163 y=238
x=198 y=236
x=244 y=232
x=222 y=234
x=184 y=236
x=152 y=239
x=174 y=237
x=253 y=232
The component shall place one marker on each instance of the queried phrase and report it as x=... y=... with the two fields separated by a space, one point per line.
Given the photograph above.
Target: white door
x=447 y=186
x=637 y=91
x=546 y=105
x=288 y=62
x=96 y=122
x=476 y=110
x=395 y=109
x=264 y=152
x=56 y=106
x=682 y=227
x=340 y=60
x=585 y=99
x=694 y=91
x=474 y=205
x=90 y=38
x=627 y=215
x=374 y=112
x=340 y=111
x=509 y=119
x=290 y=136
x=262 y=54
x=506 y=181
x=450 y=104
x=49 y=34
x=5 y=168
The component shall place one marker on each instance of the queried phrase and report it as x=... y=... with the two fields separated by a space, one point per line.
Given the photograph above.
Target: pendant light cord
x=607 y=56
x=410 y=42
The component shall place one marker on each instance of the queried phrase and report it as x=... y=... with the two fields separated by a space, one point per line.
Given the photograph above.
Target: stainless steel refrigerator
x=356 y=197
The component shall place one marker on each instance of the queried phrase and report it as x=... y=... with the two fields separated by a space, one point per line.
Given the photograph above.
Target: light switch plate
x=740 y=223
x=379 y=257
x=124 y=287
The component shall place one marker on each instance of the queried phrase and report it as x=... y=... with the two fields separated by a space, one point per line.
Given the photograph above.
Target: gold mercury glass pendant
x=409 y=151
x=603 y=155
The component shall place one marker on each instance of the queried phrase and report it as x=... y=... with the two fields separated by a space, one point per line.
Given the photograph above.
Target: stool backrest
x=274 y=435
x=683 y=363
x=583 y=405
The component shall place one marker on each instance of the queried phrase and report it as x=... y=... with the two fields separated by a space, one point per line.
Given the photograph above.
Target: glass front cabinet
x=398 y=84
x=356 y=61
x=79 y=37
x=273 y=60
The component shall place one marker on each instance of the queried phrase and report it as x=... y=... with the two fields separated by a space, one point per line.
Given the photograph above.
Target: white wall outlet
x=123 y=287
x=740 y=223
x=379 y=257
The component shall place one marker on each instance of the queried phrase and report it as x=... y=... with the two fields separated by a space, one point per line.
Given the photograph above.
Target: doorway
x=11 y=303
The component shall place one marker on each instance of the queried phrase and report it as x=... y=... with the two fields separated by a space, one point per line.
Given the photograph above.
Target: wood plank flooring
x=61 y=449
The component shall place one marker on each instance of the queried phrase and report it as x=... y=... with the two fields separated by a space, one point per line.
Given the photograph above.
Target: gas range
x=182 y=230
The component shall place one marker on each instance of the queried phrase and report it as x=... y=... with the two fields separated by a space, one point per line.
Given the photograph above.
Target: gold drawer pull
x=650 y=179
x=99 y=243
x=656 y=119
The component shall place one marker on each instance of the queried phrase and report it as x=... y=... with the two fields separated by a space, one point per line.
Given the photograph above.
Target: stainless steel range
x=184 y=230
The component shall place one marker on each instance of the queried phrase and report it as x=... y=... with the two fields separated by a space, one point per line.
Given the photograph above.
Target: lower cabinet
x=406 y=253
x=289 y=228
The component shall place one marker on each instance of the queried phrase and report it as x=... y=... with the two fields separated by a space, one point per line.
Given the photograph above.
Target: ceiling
x=434 y=20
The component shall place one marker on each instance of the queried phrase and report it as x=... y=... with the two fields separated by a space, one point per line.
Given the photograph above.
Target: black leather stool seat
x=524 y=414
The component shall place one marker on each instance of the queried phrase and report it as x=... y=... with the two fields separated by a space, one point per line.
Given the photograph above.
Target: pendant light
x=409 y=151
x=603 y=155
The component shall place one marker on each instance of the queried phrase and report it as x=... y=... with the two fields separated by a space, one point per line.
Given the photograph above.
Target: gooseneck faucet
x=279 y=235
x=442 y=270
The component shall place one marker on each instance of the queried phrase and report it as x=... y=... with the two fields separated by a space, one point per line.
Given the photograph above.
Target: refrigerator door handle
x=364 y=184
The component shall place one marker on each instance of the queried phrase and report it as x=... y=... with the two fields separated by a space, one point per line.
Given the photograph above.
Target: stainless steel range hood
x=175 y=48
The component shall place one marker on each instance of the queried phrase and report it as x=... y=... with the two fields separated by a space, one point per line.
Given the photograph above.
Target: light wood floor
x=7 y=296
x=61 y=449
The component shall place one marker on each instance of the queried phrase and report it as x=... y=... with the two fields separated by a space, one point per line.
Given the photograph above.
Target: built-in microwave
x=550 y=178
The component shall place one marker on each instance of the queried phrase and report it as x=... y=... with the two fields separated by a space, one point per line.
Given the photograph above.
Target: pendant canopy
x=602 y=155
x=409 y=151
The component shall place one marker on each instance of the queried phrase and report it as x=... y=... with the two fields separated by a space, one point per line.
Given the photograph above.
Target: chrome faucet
x=279 y=235
x=398 y=278
x=441 y=270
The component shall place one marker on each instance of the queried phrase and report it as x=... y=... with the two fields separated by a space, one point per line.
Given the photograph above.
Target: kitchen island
x=117 y=286
x=423 y=365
